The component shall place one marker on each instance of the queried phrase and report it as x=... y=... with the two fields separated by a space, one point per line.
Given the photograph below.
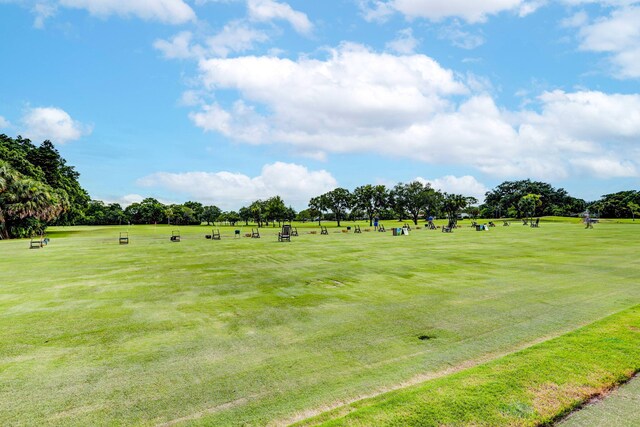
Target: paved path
x=620 y=409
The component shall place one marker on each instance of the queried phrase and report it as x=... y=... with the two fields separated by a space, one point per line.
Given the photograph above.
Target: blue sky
x=228 y=101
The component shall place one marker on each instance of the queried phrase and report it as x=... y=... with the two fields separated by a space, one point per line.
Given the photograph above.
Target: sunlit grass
x=251 y=331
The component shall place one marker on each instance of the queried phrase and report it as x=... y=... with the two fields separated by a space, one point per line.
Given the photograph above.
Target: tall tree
x=245 y=215
x=317 y=205
x=371 y=199
x=275 y=209
x=152 y=211
x=412 y=198
x=453 y=204
x=258 y=211
x=338 y=201
x=528 y=205
x=198 y=211
x=506 y=197
x=210 y=214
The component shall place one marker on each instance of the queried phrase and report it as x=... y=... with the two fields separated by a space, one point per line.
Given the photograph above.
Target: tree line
x=38 y=188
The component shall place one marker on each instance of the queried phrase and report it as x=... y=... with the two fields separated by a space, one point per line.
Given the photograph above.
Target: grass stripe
x=535 y=386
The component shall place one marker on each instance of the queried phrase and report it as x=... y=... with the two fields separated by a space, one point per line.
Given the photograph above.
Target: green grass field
x=254 y=332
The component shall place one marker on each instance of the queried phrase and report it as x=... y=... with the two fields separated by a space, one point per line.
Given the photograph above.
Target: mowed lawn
x=253 y=331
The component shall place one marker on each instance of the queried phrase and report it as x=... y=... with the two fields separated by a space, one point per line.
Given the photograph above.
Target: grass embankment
x=252 y=331
x=531 y=387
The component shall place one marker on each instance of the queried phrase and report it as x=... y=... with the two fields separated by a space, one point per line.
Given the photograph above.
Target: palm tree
x=22 y=198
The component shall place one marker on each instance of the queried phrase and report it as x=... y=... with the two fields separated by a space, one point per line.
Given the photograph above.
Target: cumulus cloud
x=471 y=11
x=294 y=183
x=358 y=100
x=268 y=10
x=353 y=89
x=179 y=46
x=54 y=124
x=166 y=11
x=236 y=36
x=617 y=35
x=404 y=43
x=466 y=185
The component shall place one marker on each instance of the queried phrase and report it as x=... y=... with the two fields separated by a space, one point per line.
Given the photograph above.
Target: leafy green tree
x=338 y=201
x=616 y=205
x=210 y=214
x=198 y=211
x=509 y=193
x=317 y=206
x=183 y=215
x=62 y=177
x=232 y=217
x=26 y=204
x=258 y=212
x=290 y=214
x=275 y=209
x=453 y=204
x=371 y=199
x=152 y=211
x=132 y=213
x=305 y=215
x=412 y=198
x=44 y=164
x=634 y=208
x=528 y=205
x=245 y=215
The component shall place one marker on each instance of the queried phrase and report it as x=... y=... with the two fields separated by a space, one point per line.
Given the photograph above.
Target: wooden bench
x=175 y=236
x=124 y=238
x=36 y=243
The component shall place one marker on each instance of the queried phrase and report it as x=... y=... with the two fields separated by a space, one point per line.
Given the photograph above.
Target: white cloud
x=4 y=123
x=166 y=11
x=236 y=36
x=43 y=11
x=619 y=36
x=472 y=11
x=179 y=47
x=130 y=199
x=268 y=10
x=576 y=20
x=294 y=183
x=404 y=43
x=353 y=89
x=54 y=124
x=606 y=167
x=466 y=185
x=357 y=100
x=459 y=37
